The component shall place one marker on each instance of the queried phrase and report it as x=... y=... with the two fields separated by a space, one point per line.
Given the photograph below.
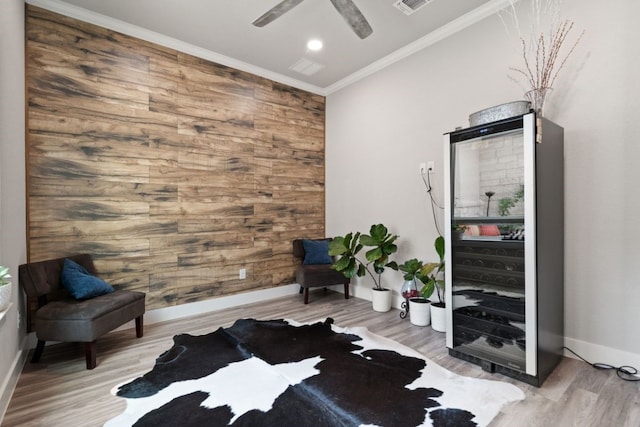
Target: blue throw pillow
x=316 y=252
x=80 y=283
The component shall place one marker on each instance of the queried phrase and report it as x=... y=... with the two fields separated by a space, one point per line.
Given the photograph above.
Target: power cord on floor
x=626 y=373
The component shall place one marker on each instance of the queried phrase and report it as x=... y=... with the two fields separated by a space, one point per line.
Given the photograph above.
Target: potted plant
x=430 y=274
x=457 y=231
x=5 y=288
x=381 y=244
x=418 y=305
x=507 y=203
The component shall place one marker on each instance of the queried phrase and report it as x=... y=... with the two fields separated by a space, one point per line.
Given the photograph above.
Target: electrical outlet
x=242 y=274
x=423 y=168
x=431 y=166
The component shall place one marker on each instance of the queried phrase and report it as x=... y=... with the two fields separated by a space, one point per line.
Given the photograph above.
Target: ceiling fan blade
x=354 y=17
x=275 y=12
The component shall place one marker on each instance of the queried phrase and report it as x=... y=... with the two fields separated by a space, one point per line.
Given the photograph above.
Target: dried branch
x=542 y=54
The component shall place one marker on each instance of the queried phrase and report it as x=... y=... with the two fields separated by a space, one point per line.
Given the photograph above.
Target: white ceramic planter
x=419 y=311
x=5 y=296
x=438 y=318
x=381 y=299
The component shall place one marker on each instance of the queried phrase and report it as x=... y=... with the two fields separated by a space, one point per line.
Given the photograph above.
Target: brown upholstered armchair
x=312 y=274
x=60 y=317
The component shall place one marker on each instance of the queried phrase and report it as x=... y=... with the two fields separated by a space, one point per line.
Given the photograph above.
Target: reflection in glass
x=486 y=169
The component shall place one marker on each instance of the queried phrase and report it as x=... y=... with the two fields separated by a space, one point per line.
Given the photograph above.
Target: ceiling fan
x=346 y=8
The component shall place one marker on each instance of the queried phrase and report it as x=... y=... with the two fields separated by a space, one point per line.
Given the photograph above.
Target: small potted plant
x=381 y=244
x=457 y=231
x=418 y=305
x=5 y=288
x=431 y=274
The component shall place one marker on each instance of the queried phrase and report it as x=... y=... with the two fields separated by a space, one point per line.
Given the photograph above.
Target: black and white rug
x=280 y=373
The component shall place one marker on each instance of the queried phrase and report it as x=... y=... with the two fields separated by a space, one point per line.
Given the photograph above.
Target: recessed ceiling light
x=314 y=44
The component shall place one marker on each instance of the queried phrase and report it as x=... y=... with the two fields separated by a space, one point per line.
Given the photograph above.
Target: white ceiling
x=221 y=31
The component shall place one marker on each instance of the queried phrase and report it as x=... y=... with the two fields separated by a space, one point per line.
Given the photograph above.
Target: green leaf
x=429 y=268
x=427 y=289
x=374 y=255
x=357 y=249
x=354 y=244
x=380 y=262
x=389 y=248
x=439 y=245
x=349 y=268
x=367 y=240
x=378 y=232
x=411 y=266
x=342 y=264
x=337 y=246
x=392 y=265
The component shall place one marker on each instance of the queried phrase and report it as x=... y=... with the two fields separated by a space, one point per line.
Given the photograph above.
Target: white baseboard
x=364 y=292
x=596 y=353
x=201 y=307
x=11 y=378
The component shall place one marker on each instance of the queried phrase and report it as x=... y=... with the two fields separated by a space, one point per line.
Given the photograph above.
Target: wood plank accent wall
x=173 y=171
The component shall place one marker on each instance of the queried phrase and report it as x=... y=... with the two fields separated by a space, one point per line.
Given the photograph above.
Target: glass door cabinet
x=504 y=245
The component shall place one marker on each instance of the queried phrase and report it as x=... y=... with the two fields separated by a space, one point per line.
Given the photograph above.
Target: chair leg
x=346 y=291
x=38 y=352
x=301 y=289
x=90 y=354
x=306 y=295
x=139 y=327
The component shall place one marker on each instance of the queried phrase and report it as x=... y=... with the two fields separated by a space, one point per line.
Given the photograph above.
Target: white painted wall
x=380 y=128
x=12 y=186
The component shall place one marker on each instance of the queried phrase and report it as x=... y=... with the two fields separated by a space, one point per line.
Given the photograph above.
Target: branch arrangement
x=542 y=54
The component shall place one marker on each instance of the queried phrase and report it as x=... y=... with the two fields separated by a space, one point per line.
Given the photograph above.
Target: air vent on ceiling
x=306 y=67
x=410 y=6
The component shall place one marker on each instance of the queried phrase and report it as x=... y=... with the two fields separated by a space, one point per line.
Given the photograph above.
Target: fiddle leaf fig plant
x=349 y=246
x=4 y=276
x=412 y=270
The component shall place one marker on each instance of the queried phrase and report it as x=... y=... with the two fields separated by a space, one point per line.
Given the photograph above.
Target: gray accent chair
x=316 y=275
x=60 y=317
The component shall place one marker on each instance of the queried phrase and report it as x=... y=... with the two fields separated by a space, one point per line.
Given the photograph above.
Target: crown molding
x=85 y=15
x=441 y=33
x=459 y=24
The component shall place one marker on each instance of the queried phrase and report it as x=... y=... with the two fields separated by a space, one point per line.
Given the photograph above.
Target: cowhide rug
x=280 y=373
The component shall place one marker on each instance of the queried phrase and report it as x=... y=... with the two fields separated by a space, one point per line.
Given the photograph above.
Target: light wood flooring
x=59 y=391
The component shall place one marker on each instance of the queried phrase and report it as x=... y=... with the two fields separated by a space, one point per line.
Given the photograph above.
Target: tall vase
x=409 y=290
x=537 y=98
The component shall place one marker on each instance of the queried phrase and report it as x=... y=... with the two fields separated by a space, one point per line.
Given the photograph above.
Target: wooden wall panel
x=173 y=171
